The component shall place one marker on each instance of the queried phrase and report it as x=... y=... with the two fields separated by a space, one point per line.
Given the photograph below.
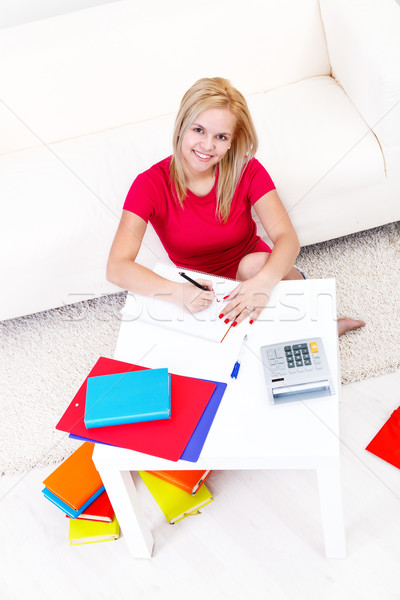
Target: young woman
x=199 y=202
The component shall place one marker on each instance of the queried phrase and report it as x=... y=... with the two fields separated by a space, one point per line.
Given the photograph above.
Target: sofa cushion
x=317 y=149
x=131 y=61
x=370 y=73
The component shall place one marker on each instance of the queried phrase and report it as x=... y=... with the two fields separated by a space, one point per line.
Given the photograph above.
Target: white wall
x=16 y=12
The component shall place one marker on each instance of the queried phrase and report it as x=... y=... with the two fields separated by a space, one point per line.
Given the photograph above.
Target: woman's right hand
x=192 y=298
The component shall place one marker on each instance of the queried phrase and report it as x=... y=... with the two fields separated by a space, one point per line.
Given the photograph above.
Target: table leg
x=126 y=503
x=330 y=494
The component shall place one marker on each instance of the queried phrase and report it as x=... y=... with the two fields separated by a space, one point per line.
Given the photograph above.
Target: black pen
x=202 y=287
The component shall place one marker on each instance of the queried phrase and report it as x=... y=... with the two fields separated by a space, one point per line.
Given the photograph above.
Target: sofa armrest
x=364 y=49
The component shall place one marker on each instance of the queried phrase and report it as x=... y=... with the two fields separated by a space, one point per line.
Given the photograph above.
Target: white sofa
x=88 y=101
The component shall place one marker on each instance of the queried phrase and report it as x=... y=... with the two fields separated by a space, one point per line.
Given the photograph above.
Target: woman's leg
x=251 y=264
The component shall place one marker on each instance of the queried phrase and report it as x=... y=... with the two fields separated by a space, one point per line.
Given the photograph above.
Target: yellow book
x=88 y=532
x=175 y=503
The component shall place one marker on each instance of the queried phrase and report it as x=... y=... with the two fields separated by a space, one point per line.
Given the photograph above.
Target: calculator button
x=314 y=347
x=271 y=354
x=279 y=353
x=307 y=361
x=291 y=365
x=317 y=360
x=288 y=348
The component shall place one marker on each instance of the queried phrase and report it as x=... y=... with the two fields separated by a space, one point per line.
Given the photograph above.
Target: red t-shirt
x=192 y=235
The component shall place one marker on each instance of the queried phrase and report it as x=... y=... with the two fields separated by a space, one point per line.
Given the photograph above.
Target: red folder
x=386 y=443
x=165 y=439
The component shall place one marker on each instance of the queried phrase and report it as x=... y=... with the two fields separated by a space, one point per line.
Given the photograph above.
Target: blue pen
x=235 y=370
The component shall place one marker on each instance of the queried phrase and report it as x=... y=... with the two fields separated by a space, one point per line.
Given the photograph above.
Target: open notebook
x=204 y=324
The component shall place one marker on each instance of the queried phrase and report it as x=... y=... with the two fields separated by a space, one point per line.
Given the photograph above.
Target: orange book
x=76 y=479
x=190 y=481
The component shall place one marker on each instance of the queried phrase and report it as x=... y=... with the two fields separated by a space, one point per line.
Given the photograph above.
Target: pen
x=202 y=287
x=236 y=367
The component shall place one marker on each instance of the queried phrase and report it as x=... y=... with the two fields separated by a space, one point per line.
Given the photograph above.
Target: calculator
x=296 y=370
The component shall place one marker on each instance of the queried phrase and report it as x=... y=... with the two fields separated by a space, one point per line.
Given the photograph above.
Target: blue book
x=66 y=507
x=131 y=397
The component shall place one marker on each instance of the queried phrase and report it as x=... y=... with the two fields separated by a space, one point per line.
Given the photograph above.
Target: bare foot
x=346 y=324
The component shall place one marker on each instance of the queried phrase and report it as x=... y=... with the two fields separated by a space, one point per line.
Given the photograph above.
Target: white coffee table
x=247 y=432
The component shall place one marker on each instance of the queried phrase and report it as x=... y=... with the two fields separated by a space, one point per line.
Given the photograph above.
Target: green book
x=175 y=503
x=89 y=532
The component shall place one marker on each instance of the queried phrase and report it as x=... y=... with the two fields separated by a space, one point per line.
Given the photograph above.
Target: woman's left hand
x=247 y=300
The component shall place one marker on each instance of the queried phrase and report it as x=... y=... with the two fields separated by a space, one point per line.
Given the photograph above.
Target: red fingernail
x=226 y=321
x=234 y=323
x=251 y=321
x=225 y=297
x=220 y=316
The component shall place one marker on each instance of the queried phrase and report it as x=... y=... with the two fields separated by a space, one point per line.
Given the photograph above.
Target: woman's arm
x=255 y=291
x=122 y=270
x=278 y=226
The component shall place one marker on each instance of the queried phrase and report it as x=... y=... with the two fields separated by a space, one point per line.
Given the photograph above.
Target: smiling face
x=206 y=142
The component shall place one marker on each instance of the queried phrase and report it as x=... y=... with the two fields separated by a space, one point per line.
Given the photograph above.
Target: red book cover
x=190 y=481
x=165 y=439
x=386 y=443
x=99 y=510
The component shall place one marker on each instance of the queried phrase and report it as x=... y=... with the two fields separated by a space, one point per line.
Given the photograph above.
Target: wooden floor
x=260 y=538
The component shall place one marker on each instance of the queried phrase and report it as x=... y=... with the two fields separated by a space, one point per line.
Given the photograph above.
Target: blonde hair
x=208 y=93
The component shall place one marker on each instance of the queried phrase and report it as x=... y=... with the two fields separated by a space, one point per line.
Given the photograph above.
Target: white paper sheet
x=204 y=324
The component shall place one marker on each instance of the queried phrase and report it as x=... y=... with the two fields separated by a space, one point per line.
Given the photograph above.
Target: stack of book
x=179 y=494
x=75 y=487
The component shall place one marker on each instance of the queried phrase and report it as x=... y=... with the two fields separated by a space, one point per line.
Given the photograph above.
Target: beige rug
x=45 y=357
x=366 y=266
